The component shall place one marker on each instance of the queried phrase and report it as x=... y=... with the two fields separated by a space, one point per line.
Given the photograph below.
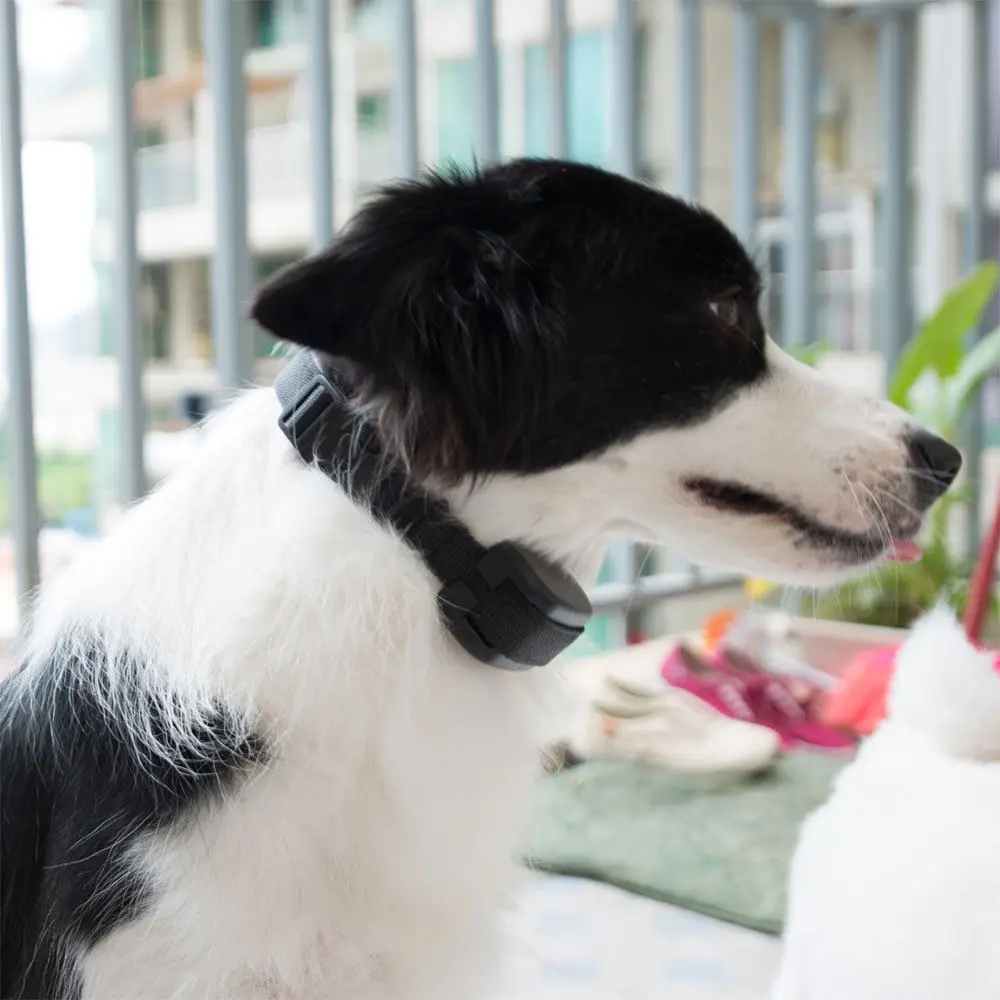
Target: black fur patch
x=527 y=316
x=78 y=788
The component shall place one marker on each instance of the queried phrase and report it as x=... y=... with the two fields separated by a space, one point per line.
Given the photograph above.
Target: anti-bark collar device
x=506 y=605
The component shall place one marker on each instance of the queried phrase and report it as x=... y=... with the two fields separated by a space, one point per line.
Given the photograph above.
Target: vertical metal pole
x=558 y=44
x=625 y=557
x=799 y=99
x=128 y=329
x=625 y=561
x=320 y=121
x=689 y=100
x=974 y=242
x=225 y=47
x=20 y=416
x=626 y=113
x=745 y=123
x=896 y=52
x=404 y=94
x=487 y=96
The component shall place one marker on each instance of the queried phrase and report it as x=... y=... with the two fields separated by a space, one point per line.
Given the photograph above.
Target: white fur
x=370 y=858
x=895 y=886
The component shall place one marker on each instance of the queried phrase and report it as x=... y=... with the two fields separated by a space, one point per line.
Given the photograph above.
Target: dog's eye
x=727 y=310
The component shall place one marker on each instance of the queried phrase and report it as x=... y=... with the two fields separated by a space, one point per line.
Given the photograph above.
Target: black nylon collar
x=504 y=604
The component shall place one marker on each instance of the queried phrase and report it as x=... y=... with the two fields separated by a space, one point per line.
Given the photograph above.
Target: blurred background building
x=640 y=115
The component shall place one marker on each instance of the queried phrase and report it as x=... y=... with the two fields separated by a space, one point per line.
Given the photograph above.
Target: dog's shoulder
x=95 y=756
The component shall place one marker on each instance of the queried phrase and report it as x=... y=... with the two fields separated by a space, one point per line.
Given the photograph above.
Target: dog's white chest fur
x=370 y=857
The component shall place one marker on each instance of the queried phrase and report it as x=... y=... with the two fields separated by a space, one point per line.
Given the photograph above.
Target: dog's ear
x=439 y=298
x=305 y=303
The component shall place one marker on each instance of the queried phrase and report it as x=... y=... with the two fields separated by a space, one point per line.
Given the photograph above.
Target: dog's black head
x=527 y=316
x=541 y=314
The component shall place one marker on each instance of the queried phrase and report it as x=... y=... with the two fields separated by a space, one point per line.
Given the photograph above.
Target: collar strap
x=505 y=604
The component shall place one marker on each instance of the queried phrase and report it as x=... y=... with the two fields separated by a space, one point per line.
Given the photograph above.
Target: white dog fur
x=346 y=785
x=384 y=833
x=895 y=887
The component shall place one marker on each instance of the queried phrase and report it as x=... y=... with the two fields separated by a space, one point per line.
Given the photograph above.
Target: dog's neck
x=510 y=606
x=557 y=513
x=546 y=512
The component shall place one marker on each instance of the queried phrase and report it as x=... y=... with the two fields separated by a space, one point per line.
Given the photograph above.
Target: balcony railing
x=168 y=175
x=279 y=160
x=177 y=174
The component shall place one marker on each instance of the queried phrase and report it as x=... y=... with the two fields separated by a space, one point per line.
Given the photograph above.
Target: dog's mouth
x=895 y=542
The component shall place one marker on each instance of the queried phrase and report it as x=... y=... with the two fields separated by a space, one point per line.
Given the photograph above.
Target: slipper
x=678 y=731
x=734 y=685
x=791 y=704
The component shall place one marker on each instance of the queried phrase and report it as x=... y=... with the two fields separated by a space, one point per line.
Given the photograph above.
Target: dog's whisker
x=897 y=501
x=881 y=521
x=905 y=471
x=861 y=510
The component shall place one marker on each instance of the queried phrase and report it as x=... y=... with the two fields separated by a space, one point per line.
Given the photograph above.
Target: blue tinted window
x=537 y=101
x=587 y=97
x=455 y=111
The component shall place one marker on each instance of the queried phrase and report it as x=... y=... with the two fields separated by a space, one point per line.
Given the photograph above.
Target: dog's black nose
x=935 y=465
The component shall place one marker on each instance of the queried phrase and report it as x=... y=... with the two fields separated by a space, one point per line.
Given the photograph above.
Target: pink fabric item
x=753 y=697
x=724 y=693
x=791 y=703
x=859 y=701
x=778 y=708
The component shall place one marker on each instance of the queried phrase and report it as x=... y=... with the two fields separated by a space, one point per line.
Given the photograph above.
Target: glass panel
x=149 y=38
x=587 y=70
x=373 y=111
x=537 y=101
x=153 y=310
x=263 y=25
x=455 y=111
x=587 y=96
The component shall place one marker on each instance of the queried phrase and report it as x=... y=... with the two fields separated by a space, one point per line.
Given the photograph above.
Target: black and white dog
x=247 y=753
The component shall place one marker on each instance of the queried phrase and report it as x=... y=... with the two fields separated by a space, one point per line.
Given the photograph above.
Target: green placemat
x=716 y=846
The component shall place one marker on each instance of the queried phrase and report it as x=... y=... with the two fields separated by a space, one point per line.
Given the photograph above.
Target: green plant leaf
x=938 y=344
x=929 y=401
x=975 y=368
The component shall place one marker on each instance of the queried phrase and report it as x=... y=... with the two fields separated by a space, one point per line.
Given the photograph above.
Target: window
x=153 y=300
x=587 y=97
x=373 y=111
x=844 y=278
x=149 y=38
x=588 y=111
x=263 y=23
x=537 y=101
x=373 y=18
x=147 y=136
x=455 y=111
x=104 y=276
x=274 y=22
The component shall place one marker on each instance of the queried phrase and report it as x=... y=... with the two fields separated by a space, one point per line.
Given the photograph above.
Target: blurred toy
x=715 y=628
x=895 y=883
